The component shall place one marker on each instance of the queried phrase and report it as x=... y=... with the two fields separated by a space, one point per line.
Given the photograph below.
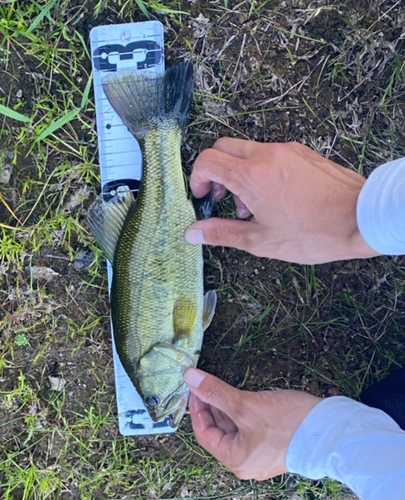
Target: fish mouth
x=177 y=416
x=174 y=406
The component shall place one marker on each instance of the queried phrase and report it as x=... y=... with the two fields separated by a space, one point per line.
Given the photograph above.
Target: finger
x=195 y=404
x=201 y=414
x=214 y=392
x=222 y=421
x=223 y=232
x=219 y=191
x=211 y=437
x=239 y=148
x=215 y=166
x=204 y=425
x=242 y=210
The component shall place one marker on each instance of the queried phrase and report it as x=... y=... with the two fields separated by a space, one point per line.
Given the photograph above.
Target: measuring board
x=117 y=47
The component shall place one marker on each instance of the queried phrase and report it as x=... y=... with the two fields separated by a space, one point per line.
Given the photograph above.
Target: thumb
x=213 y=391
x=223 y=232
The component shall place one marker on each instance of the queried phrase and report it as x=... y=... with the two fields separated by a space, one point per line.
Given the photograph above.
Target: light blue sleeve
x=381 y=209
x=359 y=446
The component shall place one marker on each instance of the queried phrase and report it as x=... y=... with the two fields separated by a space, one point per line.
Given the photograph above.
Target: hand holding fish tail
x=302 y=206
x=249 y=432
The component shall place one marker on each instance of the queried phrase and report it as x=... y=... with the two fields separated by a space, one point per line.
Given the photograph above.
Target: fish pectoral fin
x=210 y=302
x=106 y=218
x=184 y=315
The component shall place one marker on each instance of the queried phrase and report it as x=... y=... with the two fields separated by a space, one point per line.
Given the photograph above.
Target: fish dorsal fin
x=184 y=315
x=210 y=302
x=106 y=218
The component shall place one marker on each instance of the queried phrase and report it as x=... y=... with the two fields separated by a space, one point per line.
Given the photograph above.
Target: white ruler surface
x=114 y=48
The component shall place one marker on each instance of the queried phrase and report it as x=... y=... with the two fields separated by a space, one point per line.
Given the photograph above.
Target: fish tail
x=146 y=101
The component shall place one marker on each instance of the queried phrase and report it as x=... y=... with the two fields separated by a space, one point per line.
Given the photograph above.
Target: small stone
x=6 y=167
x=41 y=273
x=57 y=383
x=19 y=94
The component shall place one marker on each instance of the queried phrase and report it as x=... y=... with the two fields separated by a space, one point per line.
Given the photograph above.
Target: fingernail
x=216 y=190
x=195 y=236
x=194 y=377
x=242 y=212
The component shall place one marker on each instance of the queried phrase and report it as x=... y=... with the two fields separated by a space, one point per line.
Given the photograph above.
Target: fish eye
x=152 y=401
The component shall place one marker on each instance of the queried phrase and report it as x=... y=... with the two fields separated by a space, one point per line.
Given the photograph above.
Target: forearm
x=357 y=445
x=381 y=209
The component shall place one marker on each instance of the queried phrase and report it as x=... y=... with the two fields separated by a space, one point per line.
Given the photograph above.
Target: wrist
x=359 y=249
x=356 y=245
x=353 y=244
x=340 y=237
x=296 y=406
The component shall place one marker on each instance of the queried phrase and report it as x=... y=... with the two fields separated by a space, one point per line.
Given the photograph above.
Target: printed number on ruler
x=135 y=46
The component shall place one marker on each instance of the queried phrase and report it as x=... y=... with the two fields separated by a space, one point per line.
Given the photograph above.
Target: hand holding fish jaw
x=249 y=432
x=303 y=205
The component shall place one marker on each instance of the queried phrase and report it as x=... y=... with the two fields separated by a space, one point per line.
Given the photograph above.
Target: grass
x=266 y=71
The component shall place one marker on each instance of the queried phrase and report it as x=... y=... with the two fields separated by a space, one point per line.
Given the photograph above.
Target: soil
x=330 y=330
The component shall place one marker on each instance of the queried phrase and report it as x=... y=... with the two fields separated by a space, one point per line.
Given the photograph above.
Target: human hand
x=249 y=432
x=303 y=205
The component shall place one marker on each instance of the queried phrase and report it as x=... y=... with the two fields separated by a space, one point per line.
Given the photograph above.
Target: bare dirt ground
x=329 y=75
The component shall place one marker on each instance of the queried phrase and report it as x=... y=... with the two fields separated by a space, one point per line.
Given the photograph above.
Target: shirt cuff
x=359 y=446
x=381 y=209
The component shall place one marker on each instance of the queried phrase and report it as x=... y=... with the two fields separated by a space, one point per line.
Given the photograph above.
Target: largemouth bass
x=158 y=308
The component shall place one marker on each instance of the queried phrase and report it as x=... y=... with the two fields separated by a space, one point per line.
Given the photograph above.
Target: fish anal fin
x=210 y=302
x=106 y=218
x=184 y=316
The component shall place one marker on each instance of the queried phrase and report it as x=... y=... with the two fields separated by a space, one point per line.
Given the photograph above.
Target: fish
x=158 y=308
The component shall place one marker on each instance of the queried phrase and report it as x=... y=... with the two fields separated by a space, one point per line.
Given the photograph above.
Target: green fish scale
x=154 y=267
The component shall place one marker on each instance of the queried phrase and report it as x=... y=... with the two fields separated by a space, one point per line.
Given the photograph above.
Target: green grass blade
x=142 y=6
x=43 y=13
x=63 y=120
x=85 y=97
x=162 y=9
x=85 y=48
x=10 y=113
